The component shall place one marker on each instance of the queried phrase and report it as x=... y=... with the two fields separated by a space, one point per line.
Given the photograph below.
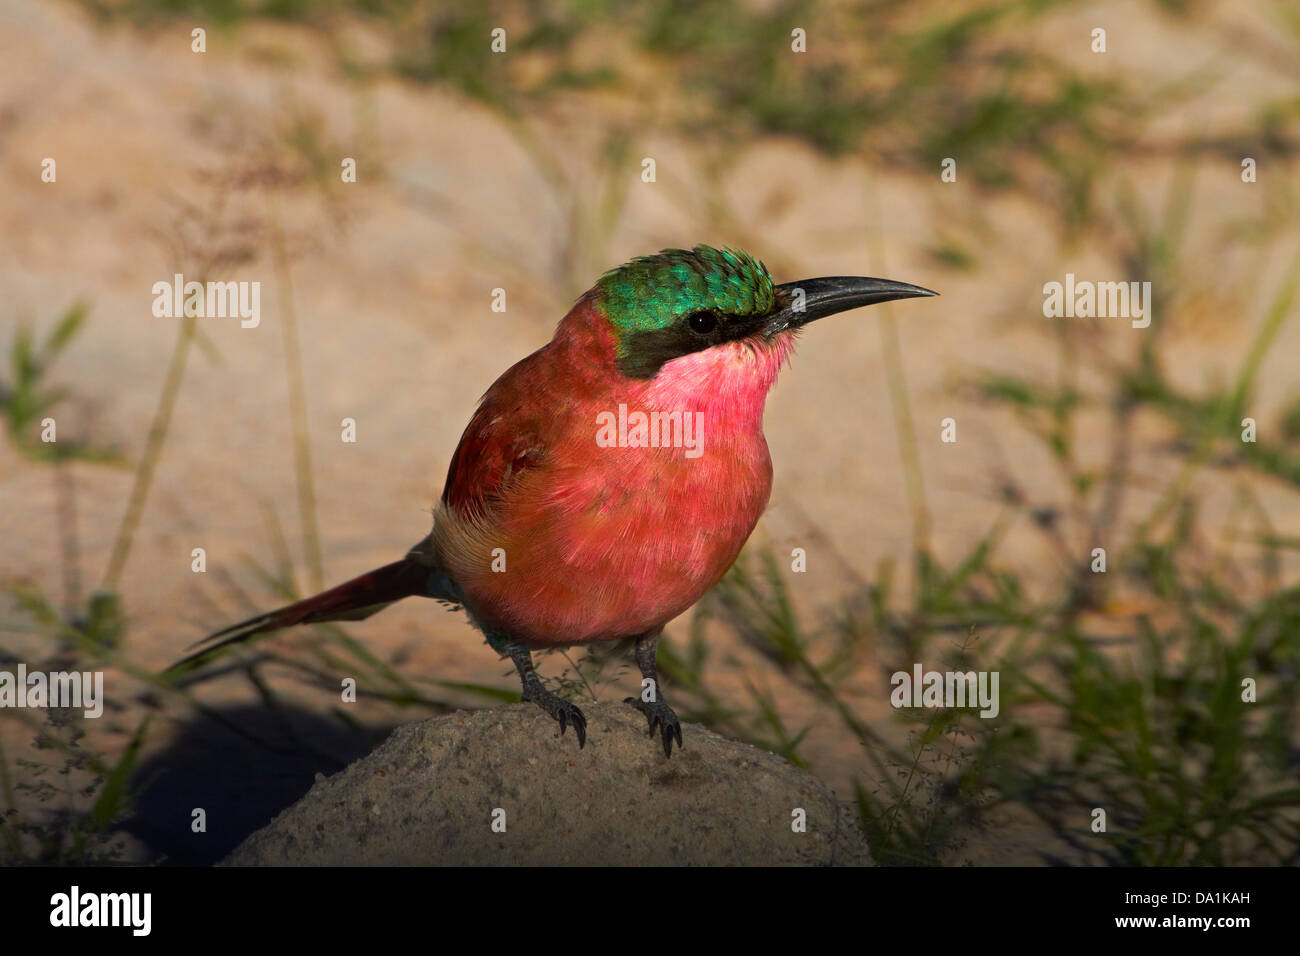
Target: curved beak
x=798 y=303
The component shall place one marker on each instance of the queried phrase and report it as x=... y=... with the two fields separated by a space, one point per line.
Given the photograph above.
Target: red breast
x=560 y=527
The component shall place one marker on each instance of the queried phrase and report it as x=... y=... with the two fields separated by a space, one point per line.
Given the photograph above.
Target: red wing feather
x=501 y=440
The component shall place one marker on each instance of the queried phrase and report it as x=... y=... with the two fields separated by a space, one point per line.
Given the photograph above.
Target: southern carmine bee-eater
x=553 y=531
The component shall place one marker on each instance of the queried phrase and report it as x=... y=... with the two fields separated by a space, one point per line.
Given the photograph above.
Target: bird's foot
x=660 y=716
x=559 y=708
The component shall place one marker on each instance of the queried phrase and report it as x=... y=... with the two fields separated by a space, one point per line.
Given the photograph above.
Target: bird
x=609 y=479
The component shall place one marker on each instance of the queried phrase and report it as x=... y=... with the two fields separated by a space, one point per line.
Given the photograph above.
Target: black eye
x=702 y=323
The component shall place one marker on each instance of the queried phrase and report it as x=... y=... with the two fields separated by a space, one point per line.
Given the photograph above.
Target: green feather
x=654 y=292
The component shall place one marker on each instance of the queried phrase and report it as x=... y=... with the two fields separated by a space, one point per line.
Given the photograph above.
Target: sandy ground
x=166 y=158
x=499 y=788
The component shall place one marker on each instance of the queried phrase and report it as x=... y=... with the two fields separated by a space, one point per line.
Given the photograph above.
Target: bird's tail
x=351 y=601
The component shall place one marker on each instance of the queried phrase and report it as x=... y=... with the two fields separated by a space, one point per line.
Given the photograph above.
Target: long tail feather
x=351 y=601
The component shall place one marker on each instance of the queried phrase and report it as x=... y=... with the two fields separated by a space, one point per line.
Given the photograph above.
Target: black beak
x=798 y=303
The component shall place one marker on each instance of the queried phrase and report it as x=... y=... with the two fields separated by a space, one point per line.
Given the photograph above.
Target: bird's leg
x=559 y=708
x=651 y=702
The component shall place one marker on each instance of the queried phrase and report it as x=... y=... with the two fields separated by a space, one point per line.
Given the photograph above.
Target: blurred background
x=522 y=171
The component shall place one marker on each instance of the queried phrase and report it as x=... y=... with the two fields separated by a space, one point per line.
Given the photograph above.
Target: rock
x=428 y=796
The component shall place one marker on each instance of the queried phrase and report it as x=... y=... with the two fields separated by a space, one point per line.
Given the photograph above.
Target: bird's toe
x=662 y=718
x=564 y=712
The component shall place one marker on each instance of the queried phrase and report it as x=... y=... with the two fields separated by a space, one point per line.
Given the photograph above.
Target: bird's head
x=679 y=302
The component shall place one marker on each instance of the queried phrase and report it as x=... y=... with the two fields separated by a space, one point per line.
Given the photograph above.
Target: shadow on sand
x=241 y=766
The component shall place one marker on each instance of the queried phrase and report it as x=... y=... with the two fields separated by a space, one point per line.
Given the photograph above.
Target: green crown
x=653 y=292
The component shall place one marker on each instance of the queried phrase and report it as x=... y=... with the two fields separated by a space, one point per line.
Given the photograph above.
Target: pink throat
x=730 y=381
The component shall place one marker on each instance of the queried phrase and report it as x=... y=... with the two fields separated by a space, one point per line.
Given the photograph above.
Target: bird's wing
x=490 y=454
x=503 y=440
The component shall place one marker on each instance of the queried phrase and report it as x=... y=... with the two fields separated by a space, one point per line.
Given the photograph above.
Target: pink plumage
x=604 y=542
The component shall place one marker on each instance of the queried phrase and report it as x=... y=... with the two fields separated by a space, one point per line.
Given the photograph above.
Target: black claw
x=580 y=727
x=662 y=718
x=562 y=711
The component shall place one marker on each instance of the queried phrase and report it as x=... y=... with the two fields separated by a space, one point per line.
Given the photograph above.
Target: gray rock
x=428 y=794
